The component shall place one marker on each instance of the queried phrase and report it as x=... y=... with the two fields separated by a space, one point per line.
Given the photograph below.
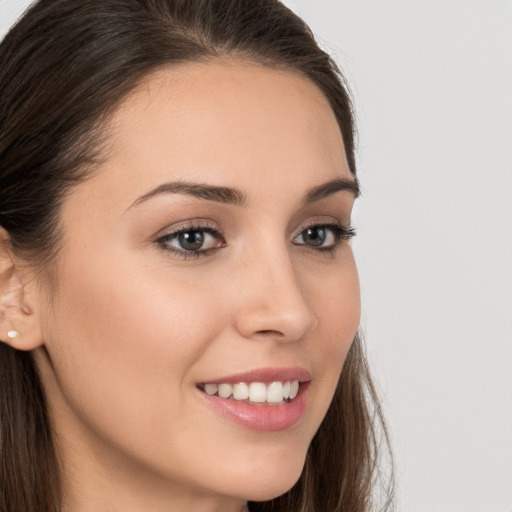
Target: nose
x=271 y=304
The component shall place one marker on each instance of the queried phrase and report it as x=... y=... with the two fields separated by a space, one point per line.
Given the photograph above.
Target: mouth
x=263 y=399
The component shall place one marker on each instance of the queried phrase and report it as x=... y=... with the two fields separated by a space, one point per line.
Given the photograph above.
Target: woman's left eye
x=193 y=242
x=323 y=237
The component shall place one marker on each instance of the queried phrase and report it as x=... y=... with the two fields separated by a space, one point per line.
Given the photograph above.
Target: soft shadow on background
x=432 y=83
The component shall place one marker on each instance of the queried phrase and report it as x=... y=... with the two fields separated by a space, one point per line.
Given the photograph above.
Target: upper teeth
x=272 y=393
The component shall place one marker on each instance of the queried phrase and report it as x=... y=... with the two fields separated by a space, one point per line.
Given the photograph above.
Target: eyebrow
x=236 y=197
x=331 y=187
x=215 y=193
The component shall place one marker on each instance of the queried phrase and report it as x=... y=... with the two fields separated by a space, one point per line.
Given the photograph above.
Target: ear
x=19 y=323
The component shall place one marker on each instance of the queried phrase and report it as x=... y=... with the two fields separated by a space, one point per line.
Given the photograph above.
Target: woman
x=180 y=302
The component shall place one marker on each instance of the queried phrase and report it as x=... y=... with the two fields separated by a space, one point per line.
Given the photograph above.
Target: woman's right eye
x=192 y=242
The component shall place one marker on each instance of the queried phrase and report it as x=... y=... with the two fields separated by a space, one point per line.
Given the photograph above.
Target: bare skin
x=138 y=320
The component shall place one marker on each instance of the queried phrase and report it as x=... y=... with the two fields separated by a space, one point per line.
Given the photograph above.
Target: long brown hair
x=64 y=67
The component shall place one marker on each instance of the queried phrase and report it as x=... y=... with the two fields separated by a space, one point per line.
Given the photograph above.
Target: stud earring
x=13 y=334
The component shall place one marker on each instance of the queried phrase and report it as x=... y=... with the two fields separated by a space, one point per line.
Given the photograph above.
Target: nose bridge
x=273 y=302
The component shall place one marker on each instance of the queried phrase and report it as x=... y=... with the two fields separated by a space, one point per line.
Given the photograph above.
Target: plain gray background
x=432 y=82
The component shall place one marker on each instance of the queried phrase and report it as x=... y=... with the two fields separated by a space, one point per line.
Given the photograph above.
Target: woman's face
x=210 y=249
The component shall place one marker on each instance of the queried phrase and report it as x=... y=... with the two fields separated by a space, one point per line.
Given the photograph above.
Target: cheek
x=335 y=297
x=129 y=339
x=115 y=318
x=336 y=300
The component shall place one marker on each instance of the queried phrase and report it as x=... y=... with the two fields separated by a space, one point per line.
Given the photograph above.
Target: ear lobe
x=19 y=325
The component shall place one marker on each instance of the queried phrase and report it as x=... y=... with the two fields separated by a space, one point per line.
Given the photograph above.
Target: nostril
x=269 y=332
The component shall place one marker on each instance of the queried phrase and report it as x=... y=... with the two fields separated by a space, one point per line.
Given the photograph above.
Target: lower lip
x=263 y=417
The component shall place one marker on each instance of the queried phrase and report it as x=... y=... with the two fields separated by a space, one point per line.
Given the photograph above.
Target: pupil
x=315 y=236
x=191 y=240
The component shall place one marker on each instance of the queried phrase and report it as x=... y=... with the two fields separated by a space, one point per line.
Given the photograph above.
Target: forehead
x=228 y=123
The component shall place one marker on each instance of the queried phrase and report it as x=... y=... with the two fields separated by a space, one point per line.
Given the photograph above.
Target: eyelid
x=193 y=224
x=326 y=222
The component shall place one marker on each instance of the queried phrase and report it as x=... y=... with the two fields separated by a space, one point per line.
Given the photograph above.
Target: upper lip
x=264 y=375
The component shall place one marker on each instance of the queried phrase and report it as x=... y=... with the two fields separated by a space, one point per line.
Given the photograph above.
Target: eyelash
x=340 y=233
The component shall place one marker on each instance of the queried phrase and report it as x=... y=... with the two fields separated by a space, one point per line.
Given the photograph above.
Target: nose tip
x=284 y=325
x=276 y=308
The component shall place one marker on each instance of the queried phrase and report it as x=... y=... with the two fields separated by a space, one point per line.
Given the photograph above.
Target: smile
x=271 y=399
x=255 y=392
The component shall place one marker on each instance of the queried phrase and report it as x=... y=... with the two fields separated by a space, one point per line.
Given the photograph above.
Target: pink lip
x=265 y=375
x=263 y=417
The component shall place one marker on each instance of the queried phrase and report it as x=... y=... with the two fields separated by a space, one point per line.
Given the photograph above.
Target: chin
x=272 y=491
x=269 y=482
